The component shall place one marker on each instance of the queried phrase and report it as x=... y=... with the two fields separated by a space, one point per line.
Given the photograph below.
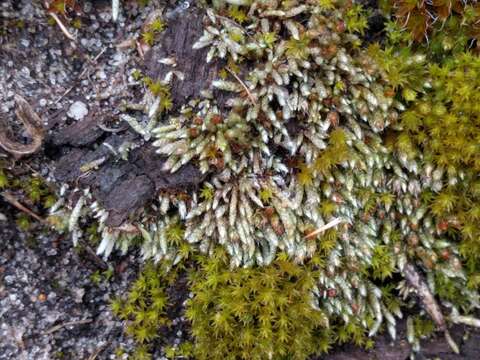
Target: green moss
x=149 y=36
x=145 y=307
x=382 y=263
x=254 y=313
x=414 y=200
x=444 y=126
x=424 y=327
x=23 y=222
x=3 y=179
x=356 y=19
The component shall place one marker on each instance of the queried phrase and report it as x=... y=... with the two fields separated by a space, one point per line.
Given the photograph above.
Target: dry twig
x=13 y=201
x=250 y=96
x=62 y=26
x=68 y=323
x=327 y=226
x=428 y=301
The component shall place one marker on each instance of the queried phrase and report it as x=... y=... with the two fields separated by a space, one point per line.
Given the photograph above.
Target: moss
x=3 y=179
x=312 y=137
x=254 y=313
x=31 y=188
x=145 y=306
x=149 y=36
x=424 y=327
x=443 y=126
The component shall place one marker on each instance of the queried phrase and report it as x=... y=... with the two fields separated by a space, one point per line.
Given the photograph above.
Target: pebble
x=78 y=110
x=78 y=294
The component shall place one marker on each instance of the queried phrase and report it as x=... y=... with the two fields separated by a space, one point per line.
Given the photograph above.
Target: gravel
x=50 y=308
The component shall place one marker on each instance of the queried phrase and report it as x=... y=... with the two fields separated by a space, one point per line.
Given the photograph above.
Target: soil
x=52 y=305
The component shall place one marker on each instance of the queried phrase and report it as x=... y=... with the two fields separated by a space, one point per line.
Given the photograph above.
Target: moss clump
x=31 y=191
x=255 y=313
x=443 y=128
x=308 y=160
x=152 y=30
x=145 y=306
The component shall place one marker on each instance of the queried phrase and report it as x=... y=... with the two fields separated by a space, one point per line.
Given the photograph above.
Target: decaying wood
x=181 y=33
x=33 y=126
x=80 y=132
x=124 y=187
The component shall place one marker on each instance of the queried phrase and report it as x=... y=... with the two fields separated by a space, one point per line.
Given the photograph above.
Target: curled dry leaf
x=33 y=126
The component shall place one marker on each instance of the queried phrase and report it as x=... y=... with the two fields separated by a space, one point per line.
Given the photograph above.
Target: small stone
x=42 y=297
x=51 y=252
x=78 y=294
x=43 y=102
x=78 y=110
x=87 y=7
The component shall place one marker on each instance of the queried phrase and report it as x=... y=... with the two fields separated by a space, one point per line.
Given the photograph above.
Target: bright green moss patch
x=256 y=313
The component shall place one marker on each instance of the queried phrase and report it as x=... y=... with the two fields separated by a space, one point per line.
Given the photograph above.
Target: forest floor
x=54 y=298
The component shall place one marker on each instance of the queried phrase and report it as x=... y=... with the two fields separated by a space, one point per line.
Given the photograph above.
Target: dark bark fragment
x=79 y=133
x=177 y=41
x=121 y=201
x=124 y=187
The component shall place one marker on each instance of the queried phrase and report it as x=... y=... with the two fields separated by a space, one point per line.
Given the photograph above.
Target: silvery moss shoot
x=341 y=187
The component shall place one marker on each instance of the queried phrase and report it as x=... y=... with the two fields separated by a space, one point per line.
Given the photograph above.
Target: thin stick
x=327 y=226
x=13 y=201
x=99 y=350
x=62 y=27
x=111 y=130
x=429 y=303
x=68 y=323
x=250 y=96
